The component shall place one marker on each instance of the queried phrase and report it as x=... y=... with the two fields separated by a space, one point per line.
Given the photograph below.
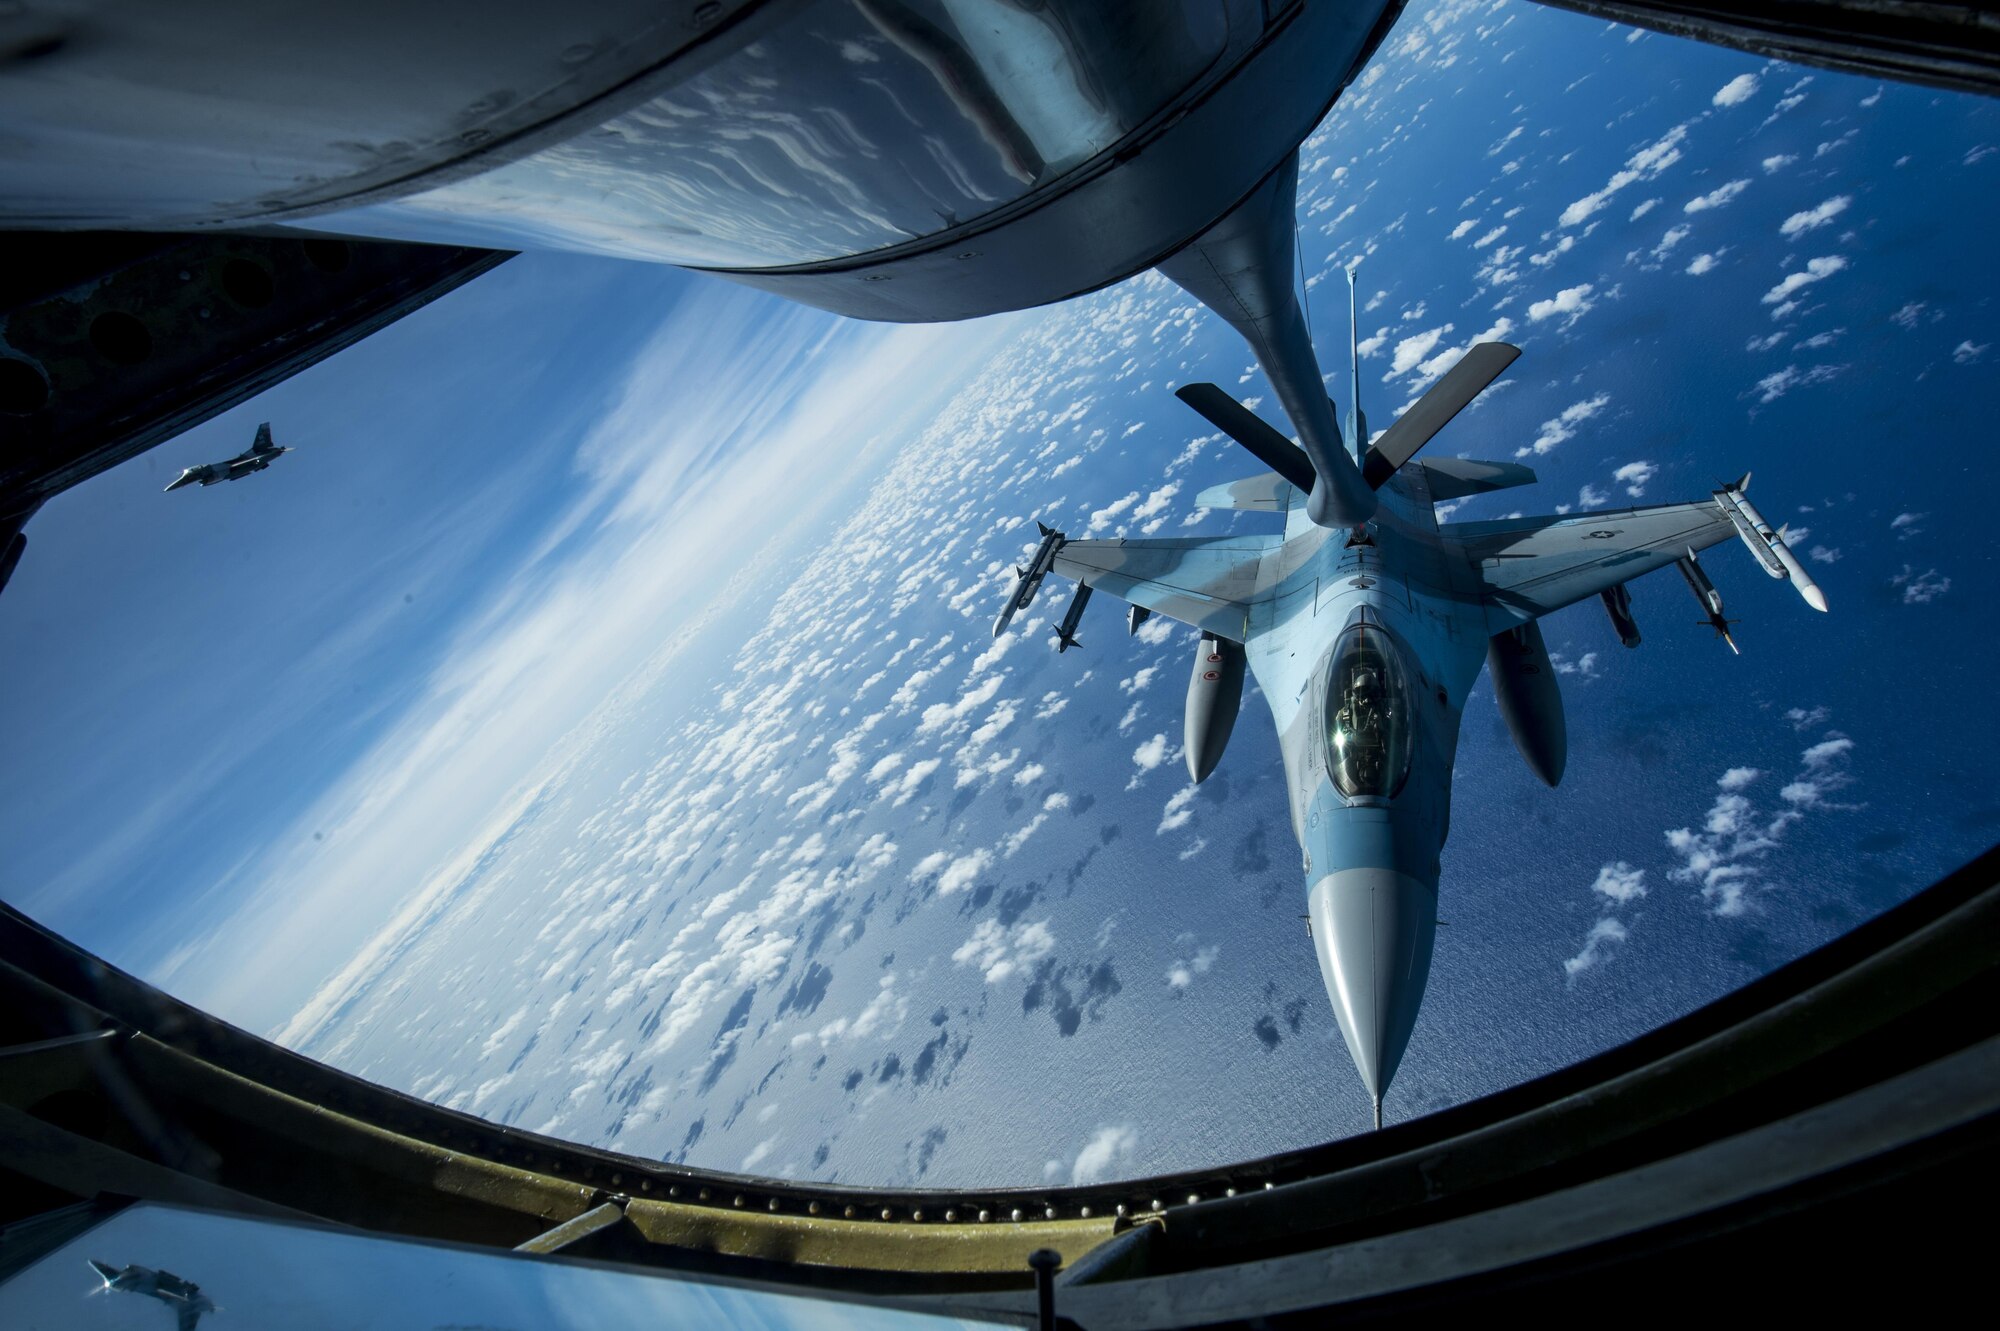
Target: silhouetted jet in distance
x=258 y=456
x=183 y=1296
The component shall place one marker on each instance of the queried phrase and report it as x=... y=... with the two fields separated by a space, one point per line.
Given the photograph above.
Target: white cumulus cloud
x=1597 y=945
x=1101 y=1157
x=997 y=952
x=1563 y=426
x=1619 y=882
x=1718 y=197
x=1571 y=302
x=1816 y=270
x=1736 y=92
x=1815 y=217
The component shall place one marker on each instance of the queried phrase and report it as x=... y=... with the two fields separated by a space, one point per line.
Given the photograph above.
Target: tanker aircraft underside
x=1366 y=640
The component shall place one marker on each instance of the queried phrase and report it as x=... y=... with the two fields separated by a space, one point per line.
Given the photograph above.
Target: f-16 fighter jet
x=261 y=454
x=183 y=1296
x=1366 y=640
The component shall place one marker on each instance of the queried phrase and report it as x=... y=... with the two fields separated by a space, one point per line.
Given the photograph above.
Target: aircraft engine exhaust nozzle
x=1215 y=694
x=1374 y=930
x=1524 y=684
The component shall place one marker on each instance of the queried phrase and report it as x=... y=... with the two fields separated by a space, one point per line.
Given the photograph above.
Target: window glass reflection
x=855 y=125
x=151 y=1267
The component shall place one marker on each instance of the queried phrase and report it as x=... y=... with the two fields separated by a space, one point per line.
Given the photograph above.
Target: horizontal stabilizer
x=1266 y=492
x=1455 y=478
x=1237 y=421
x=1434 y=410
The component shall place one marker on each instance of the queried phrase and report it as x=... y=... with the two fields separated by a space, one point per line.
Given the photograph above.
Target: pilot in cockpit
x=1360 y=720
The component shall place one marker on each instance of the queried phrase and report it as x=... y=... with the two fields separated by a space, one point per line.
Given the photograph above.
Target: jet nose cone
x=1374 y=929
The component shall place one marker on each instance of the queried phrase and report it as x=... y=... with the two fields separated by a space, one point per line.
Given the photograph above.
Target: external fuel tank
x=1215 y=693
x=1524 y=684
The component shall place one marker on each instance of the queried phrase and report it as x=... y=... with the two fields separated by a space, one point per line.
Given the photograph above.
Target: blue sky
x=278 y=700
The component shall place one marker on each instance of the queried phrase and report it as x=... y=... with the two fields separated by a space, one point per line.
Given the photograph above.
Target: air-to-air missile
x=1711 y=599
x=1028 y=580
x=1767 y=545
x=1618 y=604
x=1135 y=615
x=1066 y=631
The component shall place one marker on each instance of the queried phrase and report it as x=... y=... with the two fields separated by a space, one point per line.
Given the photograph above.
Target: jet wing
x=1207 y=582
x=1536 y=565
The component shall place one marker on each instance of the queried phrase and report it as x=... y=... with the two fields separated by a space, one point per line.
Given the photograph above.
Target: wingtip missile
x=1769 y=547
x=1027 y=581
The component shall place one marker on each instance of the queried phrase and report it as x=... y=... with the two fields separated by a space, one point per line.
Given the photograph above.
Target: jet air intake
x=1215 y=693
x=1524 y=684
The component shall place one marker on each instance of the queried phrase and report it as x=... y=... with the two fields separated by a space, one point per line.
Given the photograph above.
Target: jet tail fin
x=263 y=443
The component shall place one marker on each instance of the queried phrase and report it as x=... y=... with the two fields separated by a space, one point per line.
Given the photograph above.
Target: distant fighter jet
x=1366 y=640
x=258 y=456
x=183 y=1296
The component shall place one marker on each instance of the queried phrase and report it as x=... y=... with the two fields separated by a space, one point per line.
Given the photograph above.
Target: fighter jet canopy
x=1369 y=713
